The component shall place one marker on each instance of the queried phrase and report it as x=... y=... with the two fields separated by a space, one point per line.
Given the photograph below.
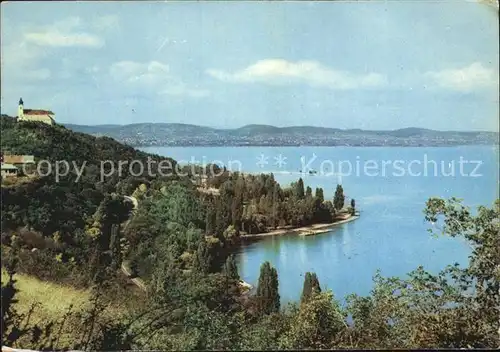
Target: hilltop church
x=44 y=116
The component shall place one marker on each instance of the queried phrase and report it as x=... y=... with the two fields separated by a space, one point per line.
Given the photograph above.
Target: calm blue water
x=391 y=233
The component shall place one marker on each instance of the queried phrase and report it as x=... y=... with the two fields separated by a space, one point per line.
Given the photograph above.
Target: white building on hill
x=45 y=116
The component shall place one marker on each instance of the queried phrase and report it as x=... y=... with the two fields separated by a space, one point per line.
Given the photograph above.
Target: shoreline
x=314 y=229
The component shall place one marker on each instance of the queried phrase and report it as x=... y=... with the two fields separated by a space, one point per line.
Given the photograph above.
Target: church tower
x=20 y=109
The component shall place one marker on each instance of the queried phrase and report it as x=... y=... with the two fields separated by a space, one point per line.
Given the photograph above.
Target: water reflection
x=325 y=246
x=282 y=253
x=302 y=252
x=346 y=241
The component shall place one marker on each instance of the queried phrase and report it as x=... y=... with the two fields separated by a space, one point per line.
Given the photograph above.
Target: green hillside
x=56 y=213
x=59 y=143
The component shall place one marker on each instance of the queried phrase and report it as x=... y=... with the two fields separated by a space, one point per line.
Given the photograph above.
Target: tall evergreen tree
x=210 y=225
x=203 y=258
x=299 y=189
x=353 y=206
x=315 y=283
x=237 y=210
x=339 y=198
x=311 y=286
x=319 y=194
x=307 y=288
x=268 y=298
x=309 y=192
x=115 y=247
x=222 y=217
x=278 y=206
x=224 y=208
x=230 y=268
x=240 y=186
x=9 y=291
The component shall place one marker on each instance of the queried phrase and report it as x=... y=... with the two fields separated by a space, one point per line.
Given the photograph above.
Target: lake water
x=390 y=235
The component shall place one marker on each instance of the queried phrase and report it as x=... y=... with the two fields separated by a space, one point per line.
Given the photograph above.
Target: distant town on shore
x=177 y=134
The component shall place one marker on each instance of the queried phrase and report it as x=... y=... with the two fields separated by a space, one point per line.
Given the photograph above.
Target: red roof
x=18 y=159
x=37 y=112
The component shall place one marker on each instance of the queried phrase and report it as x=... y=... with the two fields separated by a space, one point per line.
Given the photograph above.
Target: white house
x=9 y=170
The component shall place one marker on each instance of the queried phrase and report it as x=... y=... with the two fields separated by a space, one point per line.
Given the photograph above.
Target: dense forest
x=179 y=240
x=64 y=216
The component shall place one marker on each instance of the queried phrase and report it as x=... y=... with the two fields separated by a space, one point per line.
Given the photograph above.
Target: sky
x=365 y=64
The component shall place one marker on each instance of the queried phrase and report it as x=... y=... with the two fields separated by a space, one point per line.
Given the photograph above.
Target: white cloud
x=59 y=39
x=466 y=79
x=62 y=34
x=153 y=75
x=280 y=72
x=26 y=49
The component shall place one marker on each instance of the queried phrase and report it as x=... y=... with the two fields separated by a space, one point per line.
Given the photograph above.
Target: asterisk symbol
x=262 y=160
x=280 y=160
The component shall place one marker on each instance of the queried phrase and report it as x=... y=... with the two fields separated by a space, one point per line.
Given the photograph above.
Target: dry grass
x=53 y=300
x=17 y=181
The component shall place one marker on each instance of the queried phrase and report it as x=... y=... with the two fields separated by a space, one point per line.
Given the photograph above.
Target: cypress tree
x=268 y=298
x=299 y=189
x=224 y=211
x=275 y=307
x=311 y=286
x=319 y=195
x=316 y=288
x=230 y=268
x=8 y=299
x=222 y=218
x=338 y=199
x=210 y=219
x=115 y=247
x=307 y=288
x=203 y=259
x=237 y=210
x=308 y=192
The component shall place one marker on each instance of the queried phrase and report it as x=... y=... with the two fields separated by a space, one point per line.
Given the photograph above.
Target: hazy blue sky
x=372 y=65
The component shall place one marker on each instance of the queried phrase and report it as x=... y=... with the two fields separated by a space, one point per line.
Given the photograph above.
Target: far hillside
x=178 y=134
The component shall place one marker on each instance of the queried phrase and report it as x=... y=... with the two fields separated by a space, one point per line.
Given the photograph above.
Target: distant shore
x=314 y=229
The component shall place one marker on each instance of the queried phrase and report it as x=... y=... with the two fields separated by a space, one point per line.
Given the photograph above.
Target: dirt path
x=133 y=200
x=124 y=267
x=137 y=281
